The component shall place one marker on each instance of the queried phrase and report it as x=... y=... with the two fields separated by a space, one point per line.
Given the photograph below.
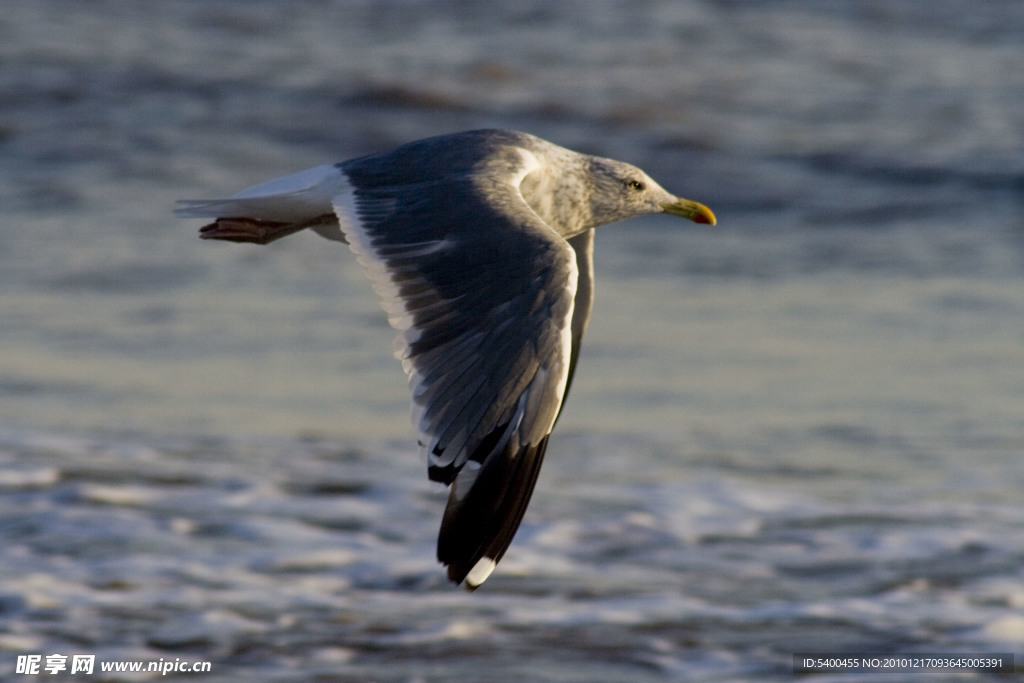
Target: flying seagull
x=480 y=247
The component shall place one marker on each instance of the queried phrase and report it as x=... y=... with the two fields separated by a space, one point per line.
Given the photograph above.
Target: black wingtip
x=479 y=525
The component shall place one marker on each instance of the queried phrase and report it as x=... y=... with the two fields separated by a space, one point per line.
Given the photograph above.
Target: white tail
x=290 y=199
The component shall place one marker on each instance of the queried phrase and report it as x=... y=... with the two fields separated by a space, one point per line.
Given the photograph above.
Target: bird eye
x=635 y=185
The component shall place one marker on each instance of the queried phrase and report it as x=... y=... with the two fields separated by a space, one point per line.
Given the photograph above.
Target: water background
x=801 y=430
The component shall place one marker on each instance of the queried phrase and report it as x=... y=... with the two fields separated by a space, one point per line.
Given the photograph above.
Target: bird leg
x=241 y=229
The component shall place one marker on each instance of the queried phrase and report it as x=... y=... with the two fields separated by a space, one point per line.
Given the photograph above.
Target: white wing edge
x=375 y=268
x=542 y=391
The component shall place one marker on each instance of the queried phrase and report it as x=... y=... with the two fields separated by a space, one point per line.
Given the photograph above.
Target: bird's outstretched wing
x=482 y=293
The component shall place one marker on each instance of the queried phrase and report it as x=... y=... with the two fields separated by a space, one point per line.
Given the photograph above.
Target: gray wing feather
x=482 y=292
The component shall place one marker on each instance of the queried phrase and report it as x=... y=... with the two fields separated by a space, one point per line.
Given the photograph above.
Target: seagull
x=479 y=245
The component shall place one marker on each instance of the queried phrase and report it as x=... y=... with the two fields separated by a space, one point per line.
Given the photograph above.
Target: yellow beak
x=695 y=211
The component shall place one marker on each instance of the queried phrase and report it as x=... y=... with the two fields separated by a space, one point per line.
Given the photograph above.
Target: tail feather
x=291 y=199
x=479 y=525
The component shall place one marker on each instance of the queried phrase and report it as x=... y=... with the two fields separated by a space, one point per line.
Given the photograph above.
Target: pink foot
x=248 y=230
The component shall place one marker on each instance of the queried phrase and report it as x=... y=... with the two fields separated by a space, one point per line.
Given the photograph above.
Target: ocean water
x=799 y=431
